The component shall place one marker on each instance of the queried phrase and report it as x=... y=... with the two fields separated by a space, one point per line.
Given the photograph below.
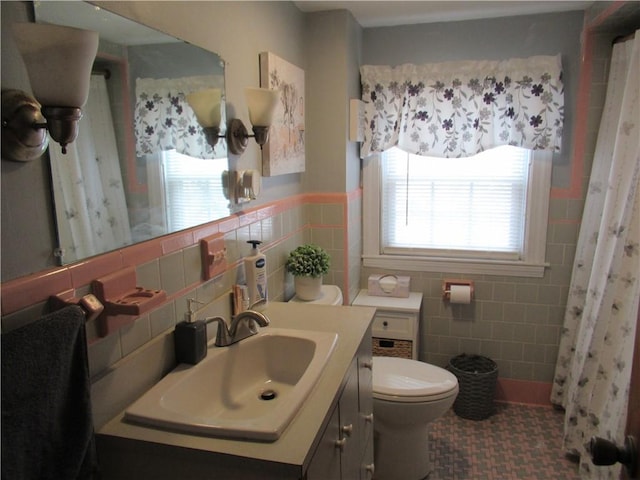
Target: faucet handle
x=222 y=335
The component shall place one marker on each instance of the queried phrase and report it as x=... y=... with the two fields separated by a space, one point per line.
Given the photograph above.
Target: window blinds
x=193 y=190
x=474 y=206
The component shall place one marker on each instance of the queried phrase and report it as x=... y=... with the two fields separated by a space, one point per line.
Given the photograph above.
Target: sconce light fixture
x=206 y=105
x=261 y=102
x=58 y=61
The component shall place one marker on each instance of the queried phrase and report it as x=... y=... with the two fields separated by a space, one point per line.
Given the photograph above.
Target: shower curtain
x=594 y=362
x=91 y=210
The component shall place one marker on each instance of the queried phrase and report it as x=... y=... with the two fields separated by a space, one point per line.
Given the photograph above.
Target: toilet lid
x=404 y=380
x=329 y=295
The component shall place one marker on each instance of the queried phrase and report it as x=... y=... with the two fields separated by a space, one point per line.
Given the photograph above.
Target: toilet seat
x=409 y=381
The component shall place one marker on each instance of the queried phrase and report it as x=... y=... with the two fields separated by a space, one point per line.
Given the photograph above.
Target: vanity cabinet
x=345 y=450
x=330 y=437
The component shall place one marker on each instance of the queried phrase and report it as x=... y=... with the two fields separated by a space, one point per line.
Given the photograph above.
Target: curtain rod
x=623 y=38
x=105 y=72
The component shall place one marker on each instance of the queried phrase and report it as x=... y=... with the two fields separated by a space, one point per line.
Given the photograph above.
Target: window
x=193 y=190
x=482 y=214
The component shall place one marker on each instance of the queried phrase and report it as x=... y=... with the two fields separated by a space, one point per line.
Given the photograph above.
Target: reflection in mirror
x=141 y=166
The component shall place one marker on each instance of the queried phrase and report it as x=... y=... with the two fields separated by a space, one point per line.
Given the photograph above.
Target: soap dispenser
x=190 y=338
x=255 y=270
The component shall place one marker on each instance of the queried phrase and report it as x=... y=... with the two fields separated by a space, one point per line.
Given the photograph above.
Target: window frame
x=531 y=265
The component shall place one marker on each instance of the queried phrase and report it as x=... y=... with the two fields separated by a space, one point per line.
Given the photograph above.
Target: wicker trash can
x=477 y=377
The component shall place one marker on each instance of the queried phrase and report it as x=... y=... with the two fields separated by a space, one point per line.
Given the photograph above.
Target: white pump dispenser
x=255 y=270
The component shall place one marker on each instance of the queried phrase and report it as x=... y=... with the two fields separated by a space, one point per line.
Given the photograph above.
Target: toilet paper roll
x=460 y=294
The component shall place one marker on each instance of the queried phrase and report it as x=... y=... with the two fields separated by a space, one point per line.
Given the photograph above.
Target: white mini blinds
x=484 y=215
x=471 y=207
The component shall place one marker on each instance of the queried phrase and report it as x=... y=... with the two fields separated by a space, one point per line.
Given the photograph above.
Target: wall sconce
x=206 y=105
x=58 y=61
x=261 y=102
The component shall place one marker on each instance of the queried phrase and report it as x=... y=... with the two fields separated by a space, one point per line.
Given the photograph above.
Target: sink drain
x=268 y=395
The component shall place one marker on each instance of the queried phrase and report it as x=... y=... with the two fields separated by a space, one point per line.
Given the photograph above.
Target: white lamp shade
x=58 y=60
x=262 y=103
x=206 y=105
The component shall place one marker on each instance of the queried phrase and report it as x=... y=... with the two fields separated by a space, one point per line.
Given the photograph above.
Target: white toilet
x=407 y=396
x=329 y=295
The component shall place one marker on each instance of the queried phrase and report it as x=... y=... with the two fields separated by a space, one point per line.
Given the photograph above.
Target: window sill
x=455 y=265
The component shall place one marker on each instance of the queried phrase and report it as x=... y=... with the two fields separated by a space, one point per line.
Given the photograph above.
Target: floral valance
x=458 y=109
x=164 y=120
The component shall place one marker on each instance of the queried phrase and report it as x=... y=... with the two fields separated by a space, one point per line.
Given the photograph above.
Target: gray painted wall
x=333 y=43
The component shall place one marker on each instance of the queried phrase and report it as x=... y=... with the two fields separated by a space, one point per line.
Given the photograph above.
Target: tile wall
x=127 y=362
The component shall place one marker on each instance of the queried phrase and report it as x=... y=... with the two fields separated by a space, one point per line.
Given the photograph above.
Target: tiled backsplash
x=173 y=264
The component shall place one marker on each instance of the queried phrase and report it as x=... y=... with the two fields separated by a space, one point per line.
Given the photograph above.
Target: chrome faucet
x=243 y=325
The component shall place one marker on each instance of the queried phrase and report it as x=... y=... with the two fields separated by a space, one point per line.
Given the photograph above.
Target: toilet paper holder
x=448 y=283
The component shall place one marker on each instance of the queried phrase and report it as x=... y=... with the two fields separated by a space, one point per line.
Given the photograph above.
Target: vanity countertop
x=296 y=442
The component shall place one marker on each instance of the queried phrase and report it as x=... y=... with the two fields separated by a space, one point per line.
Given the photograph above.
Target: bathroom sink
x=251 y=389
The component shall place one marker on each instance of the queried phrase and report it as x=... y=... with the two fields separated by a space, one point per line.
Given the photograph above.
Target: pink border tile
x=206 y=231
x=25 y=291
x=523 y=391
x=142 y=252
x=229 y=224
x=83 y=272
x=176 y=242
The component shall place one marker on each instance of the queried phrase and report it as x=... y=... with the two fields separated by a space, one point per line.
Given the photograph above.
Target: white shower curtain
x=596 y=349
x=91 y=210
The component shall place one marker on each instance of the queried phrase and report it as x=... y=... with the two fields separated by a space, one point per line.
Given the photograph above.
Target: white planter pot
x=307 y=288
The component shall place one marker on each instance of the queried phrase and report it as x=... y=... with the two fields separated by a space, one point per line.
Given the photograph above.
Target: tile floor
x=518 y=442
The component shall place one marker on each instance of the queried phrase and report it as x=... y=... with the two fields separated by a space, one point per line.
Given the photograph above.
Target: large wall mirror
x=141 y=166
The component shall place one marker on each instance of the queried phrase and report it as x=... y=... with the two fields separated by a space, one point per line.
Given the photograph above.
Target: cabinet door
x=365 y=392
x=345 y=450
x=350 y=439
x=325 y=464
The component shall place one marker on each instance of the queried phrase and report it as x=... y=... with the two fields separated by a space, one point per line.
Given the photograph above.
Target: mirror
x=140 y=167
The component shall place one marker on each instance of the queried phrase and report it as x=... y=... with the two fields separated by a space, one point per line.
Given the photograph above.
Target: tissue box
x=388 y=286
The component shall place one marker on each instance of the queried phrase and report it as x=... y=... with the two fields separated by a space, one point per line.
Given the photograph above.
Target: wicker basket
x=386 y=347
x=477 y=377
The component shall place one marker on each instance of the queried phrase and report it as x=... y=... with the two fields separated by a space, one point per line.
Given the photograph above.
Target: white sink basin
x=251 y=389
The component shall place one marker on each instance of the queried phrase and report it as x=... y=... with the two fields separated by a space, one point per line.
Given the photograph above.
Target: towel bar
x=91 y=306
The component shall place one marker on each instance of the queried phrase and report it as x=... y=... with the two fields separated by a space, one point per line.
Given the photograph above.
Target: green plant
x=308 y=261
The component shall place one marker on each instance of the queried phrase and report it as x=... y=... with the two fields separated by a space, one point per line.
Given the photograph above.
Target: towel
x=47 y=429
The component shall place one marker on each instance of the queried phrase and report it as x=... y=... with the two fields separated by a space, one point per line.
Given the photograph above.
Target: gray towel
x=47 y=430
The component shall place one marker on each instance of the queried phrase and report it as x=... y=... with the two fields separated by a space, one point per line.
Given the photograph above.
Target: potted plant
x=308 y=263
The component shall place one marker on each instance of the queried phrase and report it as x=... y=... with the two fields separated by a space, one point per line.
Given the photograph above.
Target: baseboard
x=523 y=391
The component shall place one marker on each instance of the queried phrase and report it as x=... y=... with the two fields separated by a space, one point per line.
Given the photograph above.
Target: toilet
x=329 y=295
x=407 y=396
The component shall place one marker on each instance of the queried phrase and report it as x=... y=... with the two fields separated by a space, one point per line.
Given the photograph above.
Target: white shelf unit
x=395 y=325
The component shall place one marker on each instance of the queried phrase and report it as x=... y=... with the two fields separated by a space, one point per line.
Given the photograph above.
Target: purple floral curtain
x=164 y=120
x=458 y=109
